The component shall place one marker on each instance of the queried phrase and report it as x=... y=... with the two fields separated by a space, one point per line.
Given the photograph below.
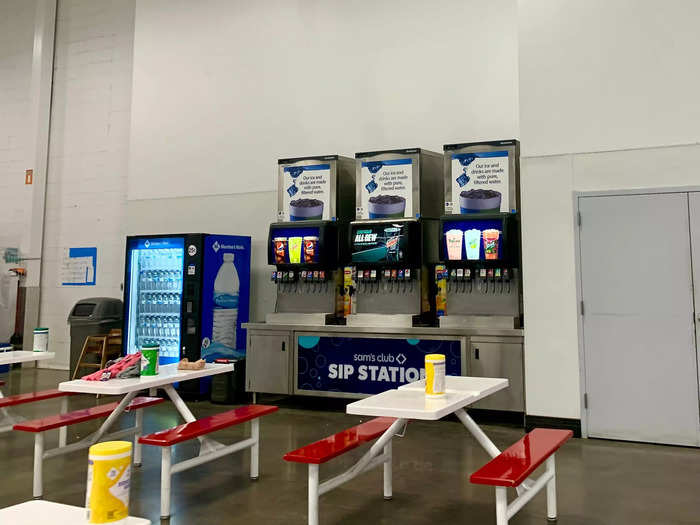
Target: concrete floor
x=599 y=482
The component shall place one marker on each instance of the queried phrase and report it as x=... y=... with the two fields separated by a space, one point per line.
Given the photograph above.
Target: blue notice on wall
x=79 y=267
x=366 y=365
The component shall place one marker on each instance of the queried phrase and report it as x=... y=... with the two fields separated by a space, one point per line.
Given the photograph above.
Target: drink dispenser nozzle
x=468 y=279
x=498 y=276
x=491 y=284
x=507 y=279
x=483 y=281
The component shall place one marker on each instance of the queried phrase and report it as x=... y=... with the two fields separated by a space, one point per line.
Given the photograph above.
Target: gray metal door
x=267 y=363
x=694 y=207
x=638 y=329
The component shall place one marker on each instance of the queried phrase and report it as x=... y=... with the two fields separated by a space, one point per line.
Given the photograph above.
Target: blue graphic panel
x=364 y=365
x=225 y=296
x=468 y=247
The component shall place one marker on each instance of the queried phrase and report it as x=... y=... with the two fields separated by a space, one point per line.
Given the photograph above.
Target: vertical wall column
x=37 y=156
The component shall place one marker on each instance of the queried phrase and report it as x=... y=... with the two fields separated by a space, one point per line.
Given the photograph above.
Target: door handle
x=476 y=353
x=284 y=346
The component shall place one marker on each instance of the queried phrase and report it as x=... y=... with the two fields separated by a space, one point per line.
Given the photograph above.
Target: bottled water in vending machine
x=226 y=288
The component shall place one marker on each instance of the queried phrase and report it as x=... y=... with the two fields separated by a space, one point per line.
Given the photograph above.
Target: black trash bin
x=228 y=389
x=93 y=316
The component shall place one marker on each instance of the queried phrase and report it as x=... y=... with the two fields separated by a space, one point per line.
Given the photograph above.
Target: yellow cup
x=295 y=250
x=109 y=478
x=435 y=375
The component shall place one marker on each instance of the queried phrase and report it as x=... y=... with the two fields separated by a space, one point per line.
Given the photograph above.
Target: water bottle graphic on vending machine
x=226 y=288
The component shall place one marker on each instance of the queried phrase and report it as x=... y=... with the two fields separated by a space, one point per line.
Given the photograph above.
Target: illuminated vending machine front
x=478 y=280
x=316 y=199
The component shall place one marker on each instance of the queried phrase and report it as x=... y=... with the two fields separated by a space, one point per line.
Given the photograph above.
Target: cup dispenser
x=389 y=280
x=478 y=280
x=305 y=258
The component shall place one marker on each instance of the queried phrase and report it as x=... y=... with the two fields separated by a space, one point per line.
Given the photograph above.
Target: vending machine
x=188 y=293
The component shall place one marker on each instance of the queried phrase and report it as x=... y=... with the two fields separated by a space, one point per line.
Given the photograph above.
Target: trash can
x=227 y=389
x=93 y=316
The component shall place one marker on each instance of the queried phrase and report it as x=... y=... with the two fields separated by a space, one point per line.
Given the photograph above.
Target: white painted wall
x=16 y=41
x=223 y=88
x=594 y=76
x=606 y=75
x=88 y=157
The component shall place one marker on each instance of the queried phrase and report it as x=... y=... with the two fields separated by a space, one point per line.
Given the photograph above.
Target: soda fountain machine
x=393 y=241
x=316 y=200
x=478 y=283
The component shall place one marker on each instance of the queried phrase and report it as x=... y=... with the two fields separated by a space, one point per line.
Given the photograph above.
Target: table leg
x=206 y=444
x=94 y=438
x=7 y=418
x=488 y=445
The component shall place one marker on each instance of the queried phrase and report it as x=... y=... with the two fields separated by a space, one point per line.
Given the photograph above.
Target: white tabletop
x=23 y=356
x=167 y=374
x=39 y=512
x=410 y=401
x=479 y=387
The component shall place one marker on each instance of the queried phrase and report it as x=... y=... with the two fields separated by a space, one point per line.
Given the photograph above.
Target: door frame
x=579 y=284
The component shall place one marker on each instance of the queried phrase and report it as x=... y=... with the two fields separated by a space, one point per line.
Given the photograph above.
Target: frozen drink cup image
x=491 y=243
x=472 y=242
x=295 y=250
x=280 y=244
x=305 y=210
x=310 y=244
x=480 y=201
x=454 y=244
x=386 y=207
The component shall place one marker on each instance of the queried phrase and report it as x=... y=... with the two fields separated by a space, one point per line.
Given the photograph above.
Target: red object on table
x=517 y=462
x=337 y=444
x=78 y=416
x=187 y=431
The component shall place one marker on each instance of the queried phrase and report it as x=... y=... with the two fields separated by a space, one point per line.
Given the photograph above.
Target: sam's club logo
x=216 y=246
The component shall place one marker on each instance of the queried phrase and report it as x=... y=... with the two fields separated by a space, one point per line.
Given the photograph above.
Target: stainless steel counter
x=428 y=331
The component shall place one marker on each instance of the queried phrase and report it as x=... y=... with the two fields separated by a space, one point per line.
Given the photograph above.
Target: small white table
x=410 y=402
x=39 y=512
x=7 y=420
x=167 y=375
x=23 y=356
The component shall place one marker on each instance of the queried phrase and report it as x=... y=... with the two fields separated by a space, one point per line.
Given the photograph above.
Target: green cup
x=149 y=360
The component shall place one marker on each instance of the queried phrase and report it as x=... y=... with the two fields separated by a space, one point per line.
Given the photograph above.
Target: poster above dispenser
x=307 y=191
x=388 y=189
x=482 y=177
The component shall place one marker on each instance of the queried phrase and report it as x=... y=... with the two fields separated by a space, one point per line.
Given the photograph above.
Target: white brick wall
x=86 y=184
x=16 y=41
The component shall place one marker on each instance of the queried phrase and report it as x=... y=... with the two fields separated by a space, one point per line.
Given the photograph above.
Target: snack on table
x=185 y=364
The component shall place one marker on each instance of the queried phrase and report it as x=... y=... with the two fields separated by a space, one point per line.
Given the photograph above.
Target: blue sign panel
x=365 y=365
x=225 y=296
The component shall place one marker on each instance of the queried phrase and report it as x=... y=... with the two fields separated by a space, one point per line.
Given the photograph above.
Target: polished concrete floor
x=599 y=482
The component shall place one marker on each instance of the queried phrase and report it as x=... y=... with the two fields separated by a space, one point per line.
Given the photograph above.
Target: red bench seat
x=517 y=462
x=30 y=397
x=187 y=431
x=78 y=416
x=2 y=383
x=337 y=444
